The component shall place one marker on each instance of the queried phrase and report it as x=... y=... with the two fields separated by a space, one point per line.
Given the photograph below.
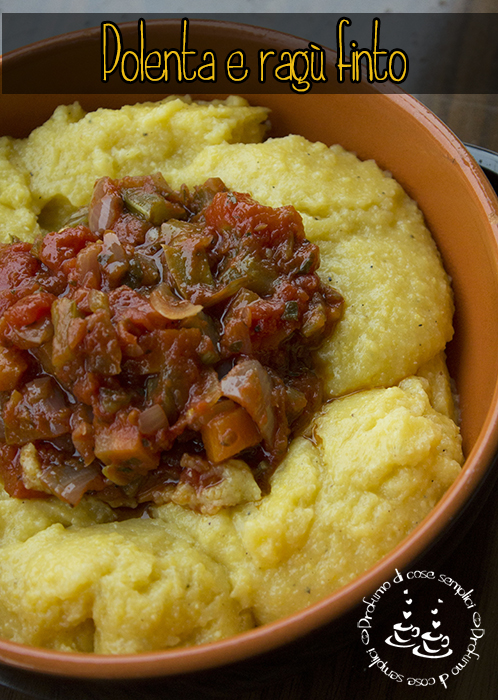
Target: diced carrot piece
x=228 y=433
x=120 y=447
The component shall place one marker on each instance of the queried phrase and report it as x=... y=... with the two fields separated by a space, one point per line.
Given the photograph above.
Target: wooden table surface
x=328 y=666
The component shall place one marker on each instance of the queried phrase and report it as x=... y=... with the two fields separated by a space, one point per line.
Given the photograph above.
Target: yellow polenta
x=383 y=450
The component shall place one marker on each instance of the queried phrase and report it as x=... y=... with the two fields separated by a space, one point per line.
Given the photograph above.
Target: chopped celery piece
x=64 y=311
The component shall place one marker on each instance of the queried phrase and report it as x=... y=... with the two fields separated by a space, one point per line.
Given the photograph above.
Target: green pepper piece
x=158 y=389
x=188 y=267
x=207 y=349
x=151 y=206
x=80 y=217
x=111 y=400
x=291 y=311
x=311 y=262
x=314 y=321
x=257 y=275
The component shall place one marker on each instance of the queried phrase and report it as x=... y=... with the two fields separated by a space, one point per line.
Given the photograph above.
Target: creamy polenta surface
x=375 y=460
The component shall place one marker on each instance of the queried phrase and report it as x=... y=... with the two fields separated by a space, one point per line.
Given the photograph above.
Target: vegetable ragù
x=376 y=459
x=157 y=337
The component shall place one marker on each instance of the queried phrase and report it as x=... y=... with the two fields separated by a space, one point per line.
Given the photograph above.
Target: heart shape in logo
x=406 y=615
x=435 y=624
x=434 y=612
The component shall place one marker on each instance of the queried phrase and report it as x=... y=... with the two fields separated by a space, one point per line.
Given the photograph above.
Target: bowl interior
x=461 y=210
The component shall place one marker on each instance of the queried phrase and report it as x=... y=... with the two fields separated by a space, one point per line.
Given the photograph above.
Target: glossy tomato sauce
x=156 y=336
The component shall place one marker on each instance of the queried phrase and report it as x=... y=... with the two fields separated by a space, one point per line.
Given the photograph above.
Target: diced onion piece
x=38 y=413
x=249 y=385
x=203 y=396
x=87 y=265
x=152 y=419
x=105 y=207
x=68 y=481
x=72 y=482
x=44 y=389
x=170 y=307
x=33 y=336
x=113 y=258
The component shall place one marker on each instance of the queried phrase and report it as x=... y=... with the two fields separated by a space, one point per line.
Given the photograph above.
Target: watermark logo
x=436 y=629
x=432 y=647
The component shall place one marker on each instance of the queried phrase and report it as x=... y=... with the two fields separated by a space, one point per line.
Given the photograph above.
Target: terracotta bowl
x=462 y=212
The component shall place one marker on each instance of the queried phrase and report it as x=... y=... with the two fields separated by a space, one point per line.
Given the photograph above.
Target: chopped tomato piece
x=29 y=309
x=17 y=266
x=11 y=474
x=63 y=245
x=12 y=366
